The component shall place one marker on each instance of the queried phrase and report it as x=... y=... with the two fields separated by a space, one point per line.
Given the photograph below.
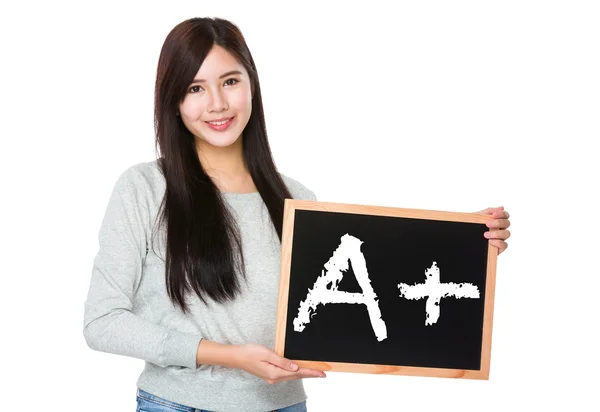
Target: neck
x=226 y=167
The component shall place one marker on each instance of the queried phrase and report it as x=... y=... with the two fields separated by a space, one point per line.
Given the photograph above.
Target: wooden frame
x=286 y=256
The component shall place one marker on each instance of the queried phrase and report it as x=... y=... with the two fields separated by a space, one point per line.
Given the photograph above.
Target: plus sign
x=435 y=291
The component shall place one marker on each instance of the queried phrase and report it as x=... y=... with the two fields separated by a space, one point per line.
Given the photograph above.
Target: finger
x=500 y=244
x=283 y=363
x=501 y=214
x=498 y=223
x=311 y=373
x=302 y=373
x=490 y=210
x=497 y=234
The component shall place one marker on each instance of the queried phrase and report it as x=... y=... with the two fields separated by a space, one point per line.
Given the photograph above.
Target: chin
x=222 y=142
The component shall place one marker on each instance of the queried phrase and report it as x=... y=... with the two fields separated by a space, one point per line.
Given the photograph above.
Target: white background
x=445 y=105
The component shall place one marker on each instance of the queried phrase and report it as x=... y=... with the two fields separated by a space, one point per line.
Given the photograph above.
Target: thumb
x=490 y=210
x=283 y=363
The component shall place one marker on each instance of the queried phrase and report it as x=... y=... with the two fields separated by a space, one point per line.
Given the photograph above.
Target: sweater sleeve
x=309 y=194
x=109 y=323
x=298 y=190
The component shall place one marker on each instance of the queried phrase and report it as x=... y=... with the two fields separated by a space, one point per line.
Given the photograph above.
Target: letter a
x=348 y=250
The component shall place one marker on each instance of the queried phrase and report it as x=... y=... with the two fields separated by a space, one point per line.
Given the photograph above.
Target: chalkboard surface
x=386 y=290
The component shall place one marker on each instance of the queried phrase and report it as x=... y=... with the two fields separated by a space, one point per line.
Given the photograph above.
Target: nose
x=218 y=102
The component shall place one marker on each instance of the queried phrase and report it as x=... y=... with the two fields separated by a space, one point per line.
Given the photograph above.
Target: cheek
x=242 y=102
x=191 y=109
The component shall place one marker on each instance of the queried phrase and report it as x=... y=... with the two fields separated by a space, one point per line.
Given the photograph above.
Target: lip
x=219 y=120
x=221 y=127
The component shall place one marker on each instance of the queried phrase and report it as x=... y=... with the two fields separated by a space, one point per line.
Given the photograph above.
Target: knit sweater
x=128 y=311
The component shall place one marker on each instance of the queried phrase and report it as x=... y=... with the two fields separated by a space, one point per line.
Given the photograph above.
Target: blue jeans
x=146 y=402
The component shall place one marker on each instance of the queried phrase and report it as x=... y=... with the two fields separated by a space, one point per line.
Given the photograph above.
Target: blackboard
x=374 y=289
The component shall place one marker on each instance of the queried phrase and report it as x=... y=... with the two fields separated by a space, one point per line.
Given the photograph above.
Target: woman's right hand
x=269 y=366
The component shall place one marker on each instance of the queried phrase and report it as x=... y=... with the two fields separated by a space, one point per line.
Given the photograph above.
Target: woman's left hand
x=499 y=220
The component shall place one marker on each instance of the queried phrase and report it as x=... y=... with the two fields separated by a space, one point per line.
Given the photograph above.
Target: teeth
x=219 y=123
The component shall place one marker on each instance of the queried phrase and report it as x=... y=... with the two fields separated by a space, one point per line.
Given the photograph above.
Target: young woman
x=186 y=277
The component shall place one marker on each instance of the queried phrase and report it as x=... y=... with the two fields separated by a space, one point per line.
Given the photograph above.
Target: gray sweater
x=128 y=311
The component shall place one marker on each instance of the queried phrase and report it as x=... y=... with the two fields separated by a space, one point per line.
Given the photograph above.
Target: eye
x=194 y=89
x=231 y=82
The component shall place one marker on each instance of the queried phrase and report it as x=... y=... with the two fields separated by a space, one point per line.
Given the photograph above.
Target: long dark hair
x=203 y=242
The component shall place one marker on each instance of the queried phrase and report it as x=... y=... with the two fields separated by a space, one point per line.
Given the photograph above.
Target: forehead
x=217 y=62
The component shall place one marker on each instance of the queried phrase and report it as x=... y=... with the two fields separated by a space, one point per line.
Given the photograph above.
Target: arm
x=109 y=323
x=111 y=326
x=254 y=359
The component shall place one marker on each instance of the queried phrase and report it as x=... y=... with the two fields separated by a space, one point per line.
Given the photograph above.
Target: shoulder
x=143 y=171
x=297 y=189
x=142 y=180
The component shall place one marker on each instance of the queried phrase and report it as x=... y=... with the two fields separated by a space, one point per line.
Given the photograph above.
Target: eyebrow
x=220 y=77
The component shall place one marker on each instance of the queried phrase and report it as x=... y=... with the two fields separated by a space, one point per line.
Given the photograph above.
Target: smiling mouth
x=219 y=122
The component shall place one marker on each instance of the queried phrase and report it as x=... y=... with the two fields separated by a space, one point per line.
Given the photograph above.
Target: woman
x=186 y=276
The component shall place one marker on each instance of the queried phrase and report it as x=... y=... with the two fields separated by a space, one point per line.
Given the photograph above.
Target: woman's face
x=218 y=102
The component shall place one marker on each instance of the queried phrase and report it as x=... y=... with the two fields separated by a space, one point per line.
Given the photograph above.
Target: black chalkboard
x=407 y=256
